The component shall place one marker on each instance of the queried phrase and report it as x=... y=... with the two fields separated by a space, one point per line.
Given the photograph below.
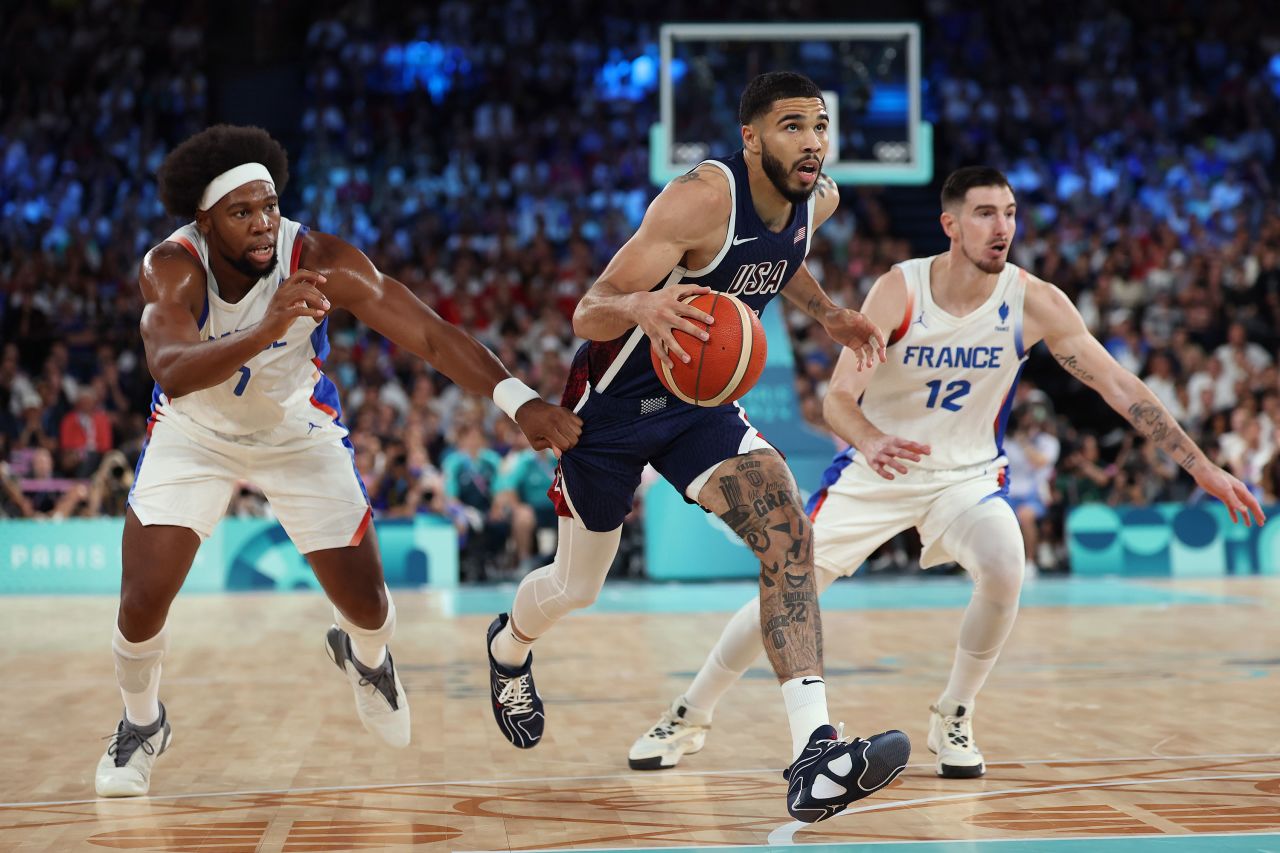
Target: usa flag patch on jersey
x=800 y=234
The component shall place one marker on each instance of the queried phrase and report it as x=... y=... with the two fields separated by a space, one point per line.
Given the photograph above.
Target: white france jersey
x=281 y=394
x=949 y=381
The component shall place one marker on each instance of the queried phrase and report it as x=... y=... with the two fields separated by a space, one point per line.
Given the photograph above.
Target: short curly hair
x=192 y=165
x=761 y=93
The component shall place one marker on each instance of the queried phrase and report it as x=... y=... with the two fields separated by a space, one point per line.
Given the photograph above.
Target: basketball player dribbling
x=962 y=323
x=235 y=329
x=739 y=225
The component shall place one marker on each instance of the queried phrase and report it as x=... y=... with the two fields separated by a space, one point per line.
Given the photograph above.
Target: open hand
x=885 y=453
x=658 y=312
x=852 y=329
x=1235 y=494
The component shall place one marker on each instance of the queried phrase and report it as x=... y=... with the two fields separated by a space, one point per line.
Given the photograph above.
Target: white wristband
x=510 y=394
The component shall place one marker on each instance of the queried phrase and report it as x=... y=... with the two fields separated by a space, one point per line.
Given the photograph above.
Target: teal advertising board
x=1169 y=540
x=83 y=556
x=684 y=543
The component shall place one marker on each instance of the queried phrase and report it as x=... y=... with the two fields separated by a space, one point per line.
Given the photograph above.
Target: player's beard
x=988 y=267
x=247 y=268
x=780 y=177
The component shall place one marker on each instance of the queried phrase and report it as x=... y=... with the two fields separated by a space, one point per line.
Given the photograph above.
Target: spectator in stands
x=1082 y=476
x=1032 y=453
x=1246 y=450
x=50 y=496
x=521 y=500
x=470 y=471
x=13 y=503
x=85 y=433
x=1211 y=389
x=1160 y=378
x=1239 y=357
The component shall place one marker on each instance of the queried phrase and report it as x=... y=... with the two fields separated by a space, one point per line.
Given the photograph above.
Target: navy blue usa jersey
x=753 y=264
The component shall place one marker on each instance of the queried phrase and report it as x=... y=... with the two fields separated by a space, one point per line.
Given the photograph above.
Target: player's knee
x=582 y=589
x=366 y=608
x=577 y=599
x=143 y=610
x=789 y=539
x=999 y=574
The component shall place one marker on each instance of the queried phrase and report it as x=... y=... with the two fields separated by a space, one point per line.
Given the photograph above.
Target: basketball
x=727 y=365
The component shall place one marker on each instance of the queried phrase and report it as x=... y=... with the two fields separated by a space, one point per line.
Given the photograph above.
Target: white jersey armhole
x=733 y=218
x=811 y=225
x=1019 y=300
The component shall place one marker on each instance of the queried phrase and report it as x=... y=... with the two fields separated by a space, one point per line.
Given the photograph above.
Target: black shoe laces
x=126 y=741
x=383 y=680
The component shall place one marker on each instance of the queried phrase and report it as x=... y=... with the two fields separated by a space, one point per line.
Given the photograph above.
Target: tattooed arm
x=803 y=290
x=1050 y=315
x=845 y=326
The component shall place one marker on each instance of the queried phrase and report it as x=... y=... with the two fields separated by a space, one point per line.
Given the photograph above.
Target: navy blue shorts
x=597 y=479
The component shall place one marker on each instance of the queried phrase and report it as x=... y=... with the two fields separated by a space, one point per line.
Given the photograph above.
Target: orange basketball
x=727 y=365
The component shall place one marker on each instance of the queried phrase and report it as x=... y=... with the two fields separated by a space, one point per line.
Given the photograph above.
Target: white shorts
x=313 y=488
x=862 y=510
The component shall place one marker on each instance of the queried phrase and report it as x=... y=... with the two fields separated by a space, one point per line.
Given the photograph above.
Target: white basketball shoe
x=680 y=731
x=125 y=769
x=951 y=739
x=380 y=699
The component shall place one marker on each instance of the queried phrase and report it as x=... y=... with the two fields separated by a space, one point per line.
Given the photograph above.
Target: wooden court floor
x=1141 y=716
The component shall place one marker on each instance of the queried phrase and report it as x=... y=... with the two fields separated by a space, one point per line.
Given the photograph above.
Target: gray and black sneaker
x=125 y=769
x=832 y=772
x=516 y=704
x=380 y=699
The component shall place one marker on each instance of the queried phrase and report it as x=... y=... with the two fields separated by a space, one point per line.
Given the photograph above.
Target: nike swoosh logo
x=738 y=241
x=812 y=681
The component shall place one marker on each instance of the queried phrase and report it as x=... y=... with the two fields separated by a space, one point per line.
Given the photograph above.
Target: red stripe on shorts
x=358 y=536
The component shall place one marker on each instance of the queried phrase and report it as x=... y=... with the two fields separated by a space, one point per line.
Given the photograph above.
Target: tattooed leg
x=756 y=496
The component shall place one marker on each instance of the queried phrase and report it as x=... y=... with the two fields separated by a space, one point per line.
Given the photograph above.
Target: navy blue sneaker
x=832 y=773
x=516 y=704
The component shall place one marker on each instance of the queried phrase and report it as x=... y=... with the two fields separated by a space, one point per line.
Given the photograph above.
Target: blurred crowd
x=475 y=154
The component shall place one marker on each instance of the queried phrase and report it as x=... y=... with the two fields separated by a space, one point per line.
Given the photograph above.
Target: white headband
x=232 y=179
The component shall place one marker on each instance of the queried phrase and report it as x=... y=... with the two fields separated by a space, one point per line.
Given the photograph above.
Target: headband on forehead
x=232 y=179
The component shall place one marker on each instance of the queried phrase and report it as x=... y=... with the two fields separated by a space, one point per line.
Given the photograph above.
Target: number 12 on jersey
x=955 y=390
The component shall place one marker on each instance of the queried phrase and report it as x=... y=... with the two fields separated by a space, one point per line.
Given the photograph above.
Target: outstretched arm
x=389 y=308
x=1055 y=318
x=845 y=326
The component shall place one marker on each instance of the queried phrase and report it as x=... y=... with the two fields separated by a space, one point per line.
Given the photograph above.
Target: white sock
x=369 y=645
x=969 y=672
x=138 y=674
x=692 y=713
x=711 y=683
x=806 y=700
x=949 y=706
x=739 y=645
x=508 y=649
